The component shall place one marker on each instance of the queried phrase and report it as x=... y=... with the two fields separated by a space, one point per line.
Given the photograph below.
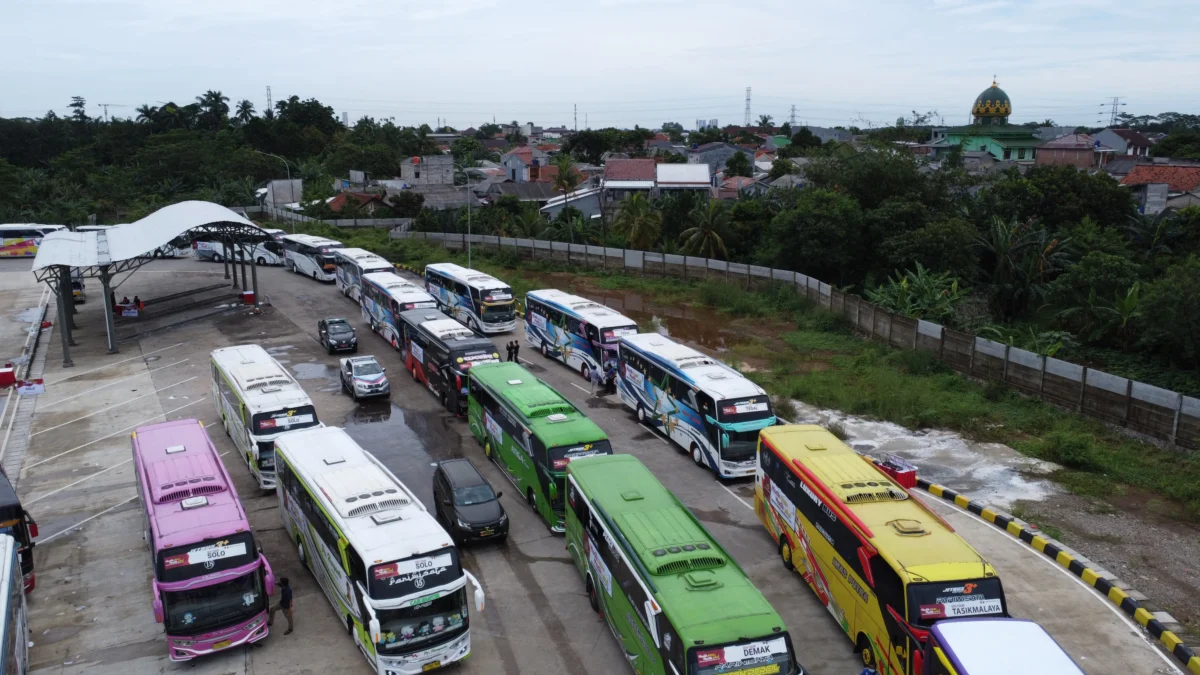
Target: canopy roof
x=124 y=247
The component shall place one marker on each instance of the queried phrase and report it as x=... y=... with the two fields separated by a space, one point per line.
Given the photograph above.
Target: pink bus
x=211 y=583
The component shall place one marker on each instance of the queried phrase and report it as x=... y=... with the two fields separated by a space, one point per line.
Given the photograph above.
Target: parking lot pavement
x=91 y=612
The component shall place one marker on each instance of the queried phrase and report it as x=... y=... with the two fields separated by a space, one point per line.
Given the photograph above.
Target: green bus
x=676 y=601
x=531 y=432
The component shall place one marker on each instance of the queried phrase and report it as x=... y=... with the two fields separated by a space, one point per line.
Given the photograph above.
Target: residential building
x=788 y=180
x=1125 y=141
x=735 y=187
x=1078 y=150
x=537 y=192
x=555 y=133
x=442 y=197
x=278 y=193
x=669 y=177
x=522 y=163
x=1051 y=133
x=430 y=170
x=716 y=154
x=1158 y=186
x=826 y=134
x=624 y=177
x=1120 y=165
x=368 y=201
x=586 y=201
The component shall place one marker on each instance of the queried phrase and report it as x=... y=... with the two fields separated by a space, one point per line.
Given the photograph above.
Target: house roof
x=527 y=192
x=1122 y=164
x=788 y=180
x=526 y=154
x=682 y=175
x=362 y=198
x=1177 y=178
x=1133 y=137
x=629 y=169
x=1076 y=142
x=737 y=183
x=441 y=197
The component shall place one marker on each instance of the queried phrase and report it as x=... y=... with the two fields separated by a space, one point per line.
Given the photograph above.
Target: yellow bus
x=884 y=565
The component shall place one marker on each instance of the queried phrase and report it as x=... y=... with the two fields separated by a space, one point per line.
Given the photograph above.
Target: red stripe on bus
x=828 y=497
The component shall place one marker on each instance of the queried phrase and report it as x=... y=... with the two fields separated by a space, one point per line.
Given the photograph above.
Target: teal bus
x=531 y=432
x=677 y=603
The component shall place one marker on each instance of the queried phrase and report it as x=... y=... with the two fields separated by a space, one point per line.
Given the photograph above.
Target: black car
x=465 y=502
x=337 y=335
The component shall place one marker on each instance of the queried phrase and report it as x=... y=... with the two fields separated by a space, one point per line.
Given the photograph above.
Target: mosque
x=990 y=131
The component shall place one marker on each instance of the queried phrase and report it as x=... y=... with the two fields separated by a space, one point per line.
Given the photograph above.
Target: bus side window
x=633 y=590
x=324 y=529
x=461 y=289
x=579 y=505
x=575 y=327
x=682 y=392
x=358 y=571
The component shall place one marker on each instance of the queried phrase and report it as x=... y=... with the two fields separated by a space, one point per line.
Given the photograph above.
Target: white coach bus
x=258 y=400
x=392 y=574
x=311 y=256
x=480 y=301
x=352 y=264
x=579 y=332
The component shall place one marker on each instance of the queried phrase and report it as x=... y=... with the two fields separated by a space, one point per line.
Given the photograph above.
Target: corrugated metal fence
x=1159 y=413
x=287 y=214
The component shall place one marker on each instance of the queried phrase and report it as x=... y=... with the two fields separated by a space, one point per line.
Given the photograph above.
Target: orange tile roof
x=1177 y=178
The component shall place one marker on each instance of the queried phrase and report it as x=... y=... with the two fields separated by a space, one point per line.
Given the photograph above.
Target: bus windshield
x=746 y=656
x=300 y=417
x=198 y=610
x=561 y=456
x=498 y=311
x=930 y=602
x=423 y=624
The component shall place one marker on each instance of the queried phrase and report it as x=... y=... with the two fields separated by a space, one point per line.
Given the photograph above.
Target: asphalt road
x=91 y=612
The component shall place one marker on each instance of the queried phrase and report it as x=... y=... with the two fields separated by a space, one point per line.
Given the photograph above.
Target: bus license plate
x=222 y=644
x=432 y=666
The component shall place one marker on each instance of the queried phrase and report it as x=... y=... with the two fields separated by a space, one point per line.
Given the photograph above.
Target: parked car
x=466 y=504
x=363 y=377
x=337 y=335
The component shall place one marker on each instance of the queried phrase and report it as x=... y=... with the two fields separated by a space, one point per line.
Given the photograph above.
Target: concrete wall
x=430 y=171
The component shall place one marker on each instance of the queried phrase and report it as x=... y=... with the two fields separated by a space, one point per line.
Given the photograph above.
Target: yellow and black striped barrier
x=1186 y=655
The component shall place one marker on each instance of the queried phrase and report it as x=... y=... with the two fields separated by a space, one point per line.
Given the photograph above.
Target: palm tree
x=1020 y=257
x=146 y=113
x=214 y=108
x=245 y=111
x=764 y=122
x=564 y=180
x=639 y=222
x=703 y=238
x=1155 y=235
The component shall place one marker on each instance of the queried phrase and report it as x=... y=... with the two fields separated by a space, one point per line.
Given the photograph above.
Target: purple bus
x=211 y=583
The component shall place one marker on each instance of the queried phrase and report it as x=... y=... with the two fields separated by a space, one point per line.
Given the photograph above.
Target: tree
x=587 y=145
x=674 y=131
x=638 y=222
x=1020 y=258
x=1057 y=196
x=407 y=203
x=764 y=122
x=786 y=129
x=738 y=165
x=674 y=158
x=146 y=113
x=943 y=246
x=78 y=108
x=565 y=178
x=705 y=237
x=214 y=110
x=487 y=131
x=820 y=234
x=782 y=167
x=1180 y=145
x=803 y=138
x=920 y=294
x=1082 y=291
x=245 y=111
x=1171 y=313
x=466 y=151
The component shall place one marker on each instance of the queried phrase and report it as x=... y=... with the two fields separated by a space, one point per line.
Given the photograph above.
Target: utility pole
x=1114 y=104
x=576 y=117
x=748 y=120
x=269 y=105
x=107 y=105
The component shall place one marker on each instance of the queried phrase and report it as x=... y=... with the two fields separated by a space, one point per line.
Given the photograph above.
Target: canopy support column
x=109 y=323
x=64 y=283
x=254 y=279
x=225 y=258
x=64 y=329
x=242 y=257
x=233 y=262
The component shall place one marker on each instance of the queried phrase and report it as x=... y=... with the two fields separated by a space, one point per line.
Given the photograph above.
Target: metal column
x=64 y=282
x=241 y=253
x=233 y=263
x=254 y=279
x=109 y=322
x=63 y=326
x=225 y=258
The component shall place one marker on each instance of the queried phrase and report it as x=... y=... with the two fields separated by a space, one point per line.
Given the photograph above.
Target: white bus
x=579 y=332
x=708 y=409
x=311 y=256
x=274 y=232
x=392 y=574
x=22 y=241
x=262 y=253
x=481 y=301
x=258 y=400
x=14 y=649
x=384 y=296
x=352 y=264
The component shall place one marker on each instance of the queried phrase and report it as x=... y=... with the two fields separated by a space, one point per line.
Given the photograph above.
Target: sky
x=615 y=62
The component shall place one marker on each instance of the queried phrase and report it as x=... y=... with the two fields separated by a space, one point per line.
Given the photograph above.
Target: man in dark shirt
x=285 y=603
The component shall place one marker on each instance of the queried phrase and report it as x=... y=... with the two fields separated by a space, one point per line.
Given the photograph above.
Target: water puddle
x=408 y=442
x=313 y=371
x=991 y=473
x=26 y=315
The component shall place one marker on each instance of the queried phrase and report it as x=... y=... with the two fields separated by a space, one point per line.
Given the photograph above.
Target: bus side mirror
x=553 y=491
x=158 y=605
x=479 y=599
x=373 y=627
x=269 y=579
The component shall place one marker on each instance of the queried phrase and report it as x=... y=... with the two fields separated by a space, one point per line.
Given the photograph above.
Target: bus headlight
x=184 y=643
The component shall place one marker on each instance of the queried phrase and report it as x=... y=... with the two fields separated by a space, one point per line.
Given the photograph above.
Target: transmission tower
x=270 y=107
x=106 y=106
x=748 y=120
x=1114 y=105
x=793 y=123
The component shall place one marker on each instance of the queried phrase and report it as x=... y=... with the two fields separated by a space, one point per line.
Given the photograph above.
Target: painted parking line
x=114 y=363
x=117 y=405
x=119 y=431
x=85 y=478
x=734 y=494
x=42 y=541
x=581 y=389
x=656 y=434
x=104 y=386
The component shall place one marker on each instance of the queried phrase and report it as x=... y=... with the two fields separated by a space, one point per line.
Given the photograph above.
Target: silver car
x=362 y=377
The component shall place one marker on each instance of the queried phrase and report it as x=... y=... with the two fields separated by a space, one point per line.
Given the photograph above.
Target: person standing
x=596 y=377
x=285 y=604
x=516 y=351
x=508 y=348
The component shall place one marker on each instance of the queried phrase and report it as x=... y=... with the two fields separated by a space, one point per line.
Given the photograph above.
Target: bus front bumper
x=181 y=649
x=736 y=469
x=427 y=659
x=498 y=327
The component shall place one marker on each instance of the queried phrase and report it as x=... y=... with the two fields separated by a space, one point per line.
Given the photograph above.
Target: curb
x=1116 y=591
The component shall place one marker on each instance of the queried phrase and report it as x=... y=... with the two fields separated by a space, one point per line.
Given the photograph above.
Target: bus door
x=715 y=435
x=905 y=642
x=546 y=481
x=18 y=524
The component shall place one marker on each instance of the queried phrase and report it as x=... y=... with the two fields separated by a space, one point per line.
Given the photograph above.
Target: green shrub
x=995 y=391
x=1071 y=450
x=918 y=362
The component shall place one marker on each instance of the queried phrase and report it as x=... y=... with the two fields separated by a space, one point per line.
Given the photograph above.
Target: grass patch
x=866 y=378
x=838 y=430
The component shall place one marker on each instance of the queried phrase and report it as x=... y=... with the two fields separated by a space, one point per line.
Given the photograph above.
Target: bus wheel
x=529 y=497
x=785 y=553
x=583 y=370
x=698 y=456
x=262 y=262
x=349 y=626
x=863 y=647
x=217 y=257
x=416 y=378
x=641 y=414
x=300 y=550
x=593 y=600
x=545 y=351
x=487 y=449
